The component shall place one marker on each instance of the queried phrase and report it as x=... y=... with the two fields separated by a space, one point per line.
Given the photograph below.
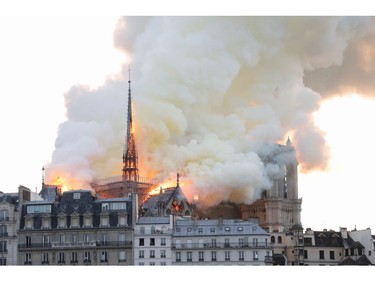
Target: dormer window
x=76 y=195
x=62 y=221
x=46 y=222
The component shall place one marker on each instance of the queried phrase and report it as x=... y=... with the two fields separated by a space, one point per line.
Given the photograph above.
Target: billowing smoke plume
x=210 y=94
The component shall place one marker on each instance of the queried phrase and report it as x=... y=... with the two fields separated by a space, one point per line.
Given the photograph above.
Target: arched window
x=279 y=240
x=272 y=239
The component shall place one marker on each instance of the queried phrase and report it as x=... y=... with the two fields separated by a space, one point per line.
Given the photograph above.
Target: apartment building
x=219 y=242
x=9 y=223
x=76 y=228
x=153 y=240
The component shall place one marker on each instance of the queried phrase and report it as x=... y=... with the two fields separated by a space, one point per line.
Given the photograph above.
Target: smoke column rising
x=210 y=94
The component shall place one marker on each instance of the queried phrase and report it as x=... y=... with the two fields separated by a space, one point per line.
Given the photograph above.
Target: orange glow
x=162 y=186
x=60 y=182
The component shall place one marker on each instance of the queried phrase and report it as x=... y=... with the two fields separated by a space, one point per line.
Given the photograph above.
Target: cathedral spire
x=130 y=157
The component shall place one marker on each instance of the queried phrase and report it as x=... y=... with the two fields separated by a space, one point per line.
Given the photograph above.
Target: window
x=61 y=257
x=305 y=254
x=141 y=254
x=162 y=254
x=141 y=241
x=45 y=241
x=104 y=256
x=29 y=223
x=152 y=229
x=45 y=258
x=212 y=230
x=227 y=255
x=178 y=256
x=226 y=243
x=321 y=254
x=104 y=220
x=272 y=239
x=62 y=238
x=213 y=256
x=201 y=256
x=162 y=242
x=87 y=257
x=360 y=250
x=142 y=229
x=189 y=243
x=307 y=241
x=28 y=258
x=86 y=238
x=3 y=247
x=369 y=253
x=33 y=209
x=62 y=221
x=152 y=241
x=4 y=216
x=74 y=257
x=200 y=230
x=352 y=252
x=76 y=195
x=213 y=243
x=332 y=255
x=189 y=229
x=103 y=239
x=240 y=228
x=279 y=240
x=122 y=256
x=3 y=231
x=105 y=206
x=346 y=252
x=255 y=242
x=74 y=222
x=122 y=239
x=163 y=263
x=141 y=264
x=74 y=238
x=255 y=255
x=123 y=219
x=88 y=221
x=152 y=254
x=241 y=256
x=3 y=261
x=189 y=256
x=28 y=241
x=152 y=263
x=46 y=222
x=227 y=229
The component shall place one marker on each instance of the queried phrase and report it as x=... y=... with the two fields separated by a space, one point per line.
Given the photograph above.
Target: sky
x=43 y=57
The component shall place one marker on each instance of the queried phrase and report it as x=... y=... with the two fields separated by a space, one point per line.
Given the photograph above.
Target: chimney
x=220 y=222
x=134 y=198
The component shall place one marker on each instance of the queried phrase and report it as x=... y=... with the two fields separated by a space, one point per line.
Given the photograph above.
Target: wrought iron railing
x=76 y=244
x=221 y=245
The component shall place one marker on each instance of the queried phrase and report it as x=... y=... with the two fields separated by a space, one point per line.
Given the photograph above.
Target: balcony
x=73 y=244
x=3 y=234
x=45 y=262
x=34 y=245
x=27 y=263
x=222 y=245
x=2 y=219
x=74 y=262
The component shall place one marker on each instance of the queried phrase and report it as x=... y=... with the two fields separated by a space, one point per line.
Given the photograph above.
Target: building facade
x=153 y=241
x=219 y=242
x=77 y=229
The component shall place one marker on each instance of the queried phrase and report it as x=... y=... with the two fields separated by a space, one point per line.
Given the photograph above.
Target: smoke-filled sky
x=209 y=93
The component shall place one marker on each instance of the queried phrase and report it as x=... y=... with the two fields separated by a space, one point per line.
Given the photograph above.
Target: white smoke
x=210 y=94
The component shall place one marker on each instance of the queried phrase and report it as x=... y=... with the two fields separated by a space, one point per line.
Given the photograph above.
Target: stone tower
x=279 y=208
